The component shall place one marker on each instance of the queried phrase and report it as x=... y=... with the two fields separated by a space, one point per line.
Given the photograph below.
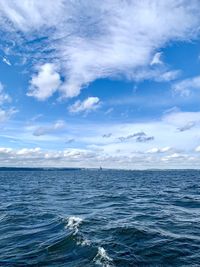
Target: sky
x=114 y=83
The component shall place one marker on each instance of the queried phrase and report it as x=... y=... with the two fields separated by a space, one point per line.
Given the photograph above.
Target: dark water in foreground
x=88 y=218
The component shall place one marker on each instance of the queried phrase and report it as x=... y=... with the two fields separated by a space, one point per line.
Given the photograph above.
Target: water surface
x=88 y=218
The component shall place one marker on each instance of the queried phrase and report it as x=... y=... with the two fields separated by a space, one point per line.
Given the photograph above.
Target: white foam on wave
x=73 y=223
x=84 y=242
x=102 y=258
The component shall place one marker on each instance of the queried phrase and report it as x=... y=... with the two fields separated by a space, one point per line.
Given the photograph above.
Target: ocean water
x=88 y=218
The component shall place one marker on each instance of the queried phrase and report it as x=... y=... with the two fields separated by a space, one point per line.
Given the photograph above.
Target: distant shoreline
x=79 y=169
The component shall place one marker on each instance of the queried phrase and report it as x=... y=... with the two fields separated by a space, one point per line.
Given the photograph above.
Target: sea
x=91 y=217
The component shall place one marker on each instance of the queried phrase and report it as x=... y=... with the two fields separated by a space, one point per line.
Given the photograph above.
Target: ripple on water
x=89 y=218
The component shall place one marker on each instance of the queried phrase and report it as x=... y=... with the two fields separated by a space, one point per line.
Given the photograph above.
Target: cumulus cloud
x=91 y=103
x=89 y=40
x=111 y=152
x=28 y=151
x=45 y=83
x=44 y=158
x=90 y=158
x=5 y=150
x=176 y=156
x=19 y=154
x=43 y=130
x=185 y=87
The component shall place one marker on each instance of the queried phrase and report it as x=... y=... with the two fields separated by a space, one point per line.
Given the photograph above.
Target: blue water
x=85 y=218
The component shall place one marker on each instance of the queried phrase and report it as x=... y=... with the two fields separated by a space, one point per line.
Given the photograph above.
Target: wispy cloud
x=87 y=40
x=6 y=114
x=139 y=137
x=43 y=130
x=4 y=98
x=182 y=120
x=155 y=150
x=186 y=86
x=6 y=61
x=187 y=126
x=89 y=104
x=107 y=135
x=168 y=76
x=70 y=140
x=5 y=111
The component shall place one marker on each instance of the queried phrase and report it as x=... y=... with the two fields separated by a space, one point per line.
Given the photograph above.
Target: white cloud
x=108 y=135
x=189 y=125
x=5 y=112
x=5 y=150
x=164 y=131
x=173 y=156
x=28 y=151
x=157 y=74
x=92 y=158
x=45 y=83
x=182 y=120
x=185 y=87
x=169 y=149
x=25 y=156
x=197 y=149
x=90 y=41
x=138 y=137
x=108 y=111
x=91 y=103
x=168 y=76
x=4 y=98
x=44 y=130
x=6 y=61
x=156 y=59
x=159 y=150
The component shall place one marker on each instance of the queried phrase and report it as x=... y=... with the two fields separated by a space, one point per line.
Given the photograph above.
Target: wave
x=102 y=258
x=157 y=224
x=73 y=224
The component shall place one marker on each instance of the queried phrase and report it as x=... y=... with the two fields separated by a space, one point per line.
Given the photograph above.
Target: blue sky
x=115 y=84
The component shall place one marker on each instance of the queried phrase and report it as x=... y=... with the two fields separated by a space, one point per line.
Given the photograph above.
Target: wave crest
x=102 y=258
x=73 y=223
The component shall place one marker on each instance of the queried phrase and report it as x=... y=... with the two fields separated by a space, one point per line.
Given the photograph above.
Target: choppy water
x=88 y=218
